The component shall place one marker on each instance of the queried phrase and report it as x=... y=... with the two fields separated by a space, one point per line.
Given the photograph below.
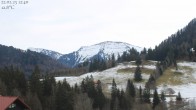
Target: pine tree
x=64 y=97
x=119 y=58
x=47 y=85
x=114 y=88
x=162 y=96
x=2 y=88
x=113 y=61
x=140 y=92
x=156 y=99
x=113 y=95
x=76 y=88
x=99 y=99
x=20 y=81
x=138 y=61
x=33 y=101
x=91 y=69
x=122 y=101
x=35 y=84
x=91 y=91
x=146 y=95
x=137 y=75
x=130 y=89
x=151 y=78
x=83 y=86
x=179 y=98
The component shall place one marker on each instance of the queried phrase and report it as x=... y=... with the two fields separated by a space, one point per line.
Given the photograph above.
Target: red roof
x=5 y=102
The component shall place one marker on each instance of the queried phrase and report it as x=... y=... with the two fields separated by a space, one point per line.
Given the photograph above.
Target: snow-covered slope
x=102 y=50
x=53 y=54
x=186 y=88
x=107 y=76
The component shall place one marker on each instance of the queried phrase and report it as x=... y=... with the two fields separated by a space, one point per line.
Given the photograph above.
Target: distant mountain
x=26 y=60
x=102 y=50
x=53 y=54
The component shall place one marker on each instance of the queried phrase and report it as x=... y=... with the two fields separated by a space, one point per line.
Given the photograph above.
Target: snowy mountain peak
x=107 y=47
x=53 y=54
x=103 y=50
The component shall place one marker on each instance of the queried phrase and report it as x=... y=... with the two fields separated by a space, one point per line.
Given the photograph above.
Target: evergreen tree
x=122 y=101
x=91 y=91
x=83 y=86
x=113 y=61
x=124 y=57
x=130 y=89
x=150 y=55
x=144 y=51
x=91 y=68
x=114 y=88
x=3 y=88
x=21 y=82
x=146 y=95
x=103 y=65
x=140 y=92
x=113 y=95
x=162 y=96
x=48 y=85
x=35 y=84
x=138 y=61
x=99 y=99
x=34 y=101
x=179 y=98
x=151 y=78
x=119 y=58
x=64 y=97
x=76 y=88
x=137 y=75
x=156 y=99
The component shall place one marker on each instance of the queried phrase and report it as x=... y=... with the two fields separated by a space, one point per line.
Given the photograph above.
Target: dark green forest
x=178 y=46
x=44 y=93
x=26 y=60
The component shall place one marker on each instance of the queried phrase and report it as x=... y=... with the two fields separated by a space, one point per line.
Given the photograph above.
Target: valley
x=106 y=76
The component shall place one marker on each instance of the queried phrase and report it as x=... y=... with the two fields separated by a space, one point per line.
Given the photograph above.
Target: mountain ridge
x=51 y=53
x=103 y=50
x=27 y=60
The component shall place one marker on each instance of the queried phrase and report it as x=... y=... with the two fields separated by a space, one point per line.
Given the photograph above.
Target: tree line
x=44 y=93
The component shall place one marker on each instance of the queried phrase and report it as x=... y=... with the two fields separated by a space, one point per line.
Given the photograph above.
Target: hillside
x=26 y=60
x=181 y=81
x=179 y=46
x=52 y=54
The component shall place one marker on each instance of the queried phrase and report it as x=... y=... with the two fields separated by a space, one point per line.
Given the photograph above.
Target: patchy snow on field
x=108 y=75
x=153 y=67
x=191 y=65
x=187 y=89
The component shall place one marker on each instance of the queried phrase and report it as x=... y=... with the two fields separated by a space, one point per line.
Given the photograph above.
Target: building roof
x=5 y=102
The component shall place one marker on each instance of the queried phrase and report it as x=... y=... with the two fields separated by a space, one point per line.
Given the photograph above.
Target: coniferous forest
x=44 y=93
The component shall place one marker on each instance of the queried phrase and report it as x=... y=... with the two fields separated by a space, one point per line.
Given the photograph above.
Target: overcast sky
x=66 y=25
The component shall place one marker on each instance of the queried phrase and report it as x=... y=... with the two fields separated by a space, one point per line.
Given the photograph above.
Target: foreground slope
x=183 y=80
x=121 y=73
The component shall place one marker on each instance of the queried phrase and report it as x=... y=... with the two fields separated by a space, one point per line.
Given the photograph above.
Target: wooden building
x=12 y=103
